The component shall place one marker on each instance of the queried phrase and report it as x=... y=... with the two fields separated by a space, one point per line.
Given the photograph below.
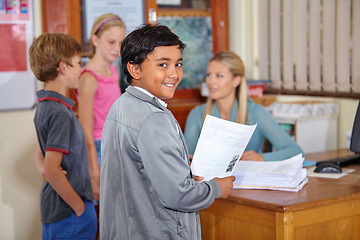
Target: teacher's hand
x=251 y=156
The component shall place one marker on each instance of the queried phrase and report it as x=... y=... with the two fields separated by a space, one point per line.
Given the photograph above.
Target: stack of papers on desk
x=219 y=148
x=285 y=175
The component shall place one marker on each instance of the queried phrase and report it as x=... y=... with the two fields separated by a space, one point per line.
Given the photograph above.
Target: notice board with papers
x=17 y=83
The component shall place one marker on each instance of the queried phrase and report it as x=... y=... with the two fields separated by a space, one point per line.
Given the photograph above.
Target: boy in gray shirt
x=147 y=190
x=67 y=211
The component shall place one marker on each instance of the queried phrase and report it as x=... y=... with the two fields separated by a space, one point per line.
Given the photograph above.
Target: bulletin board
x=17 y=83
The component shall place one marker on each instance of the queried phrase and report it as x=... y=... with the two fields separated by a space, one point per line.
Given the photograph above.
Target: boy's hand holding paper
x=225 y=183
x=220 y=146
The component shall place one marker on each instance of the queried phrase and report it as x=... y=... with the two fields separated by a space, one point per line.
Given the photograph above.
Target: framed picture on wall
x=132 y=12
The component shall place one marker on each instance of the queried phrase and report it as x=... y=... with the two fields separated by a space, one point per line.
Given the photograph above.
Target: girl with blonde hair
x=99 y=87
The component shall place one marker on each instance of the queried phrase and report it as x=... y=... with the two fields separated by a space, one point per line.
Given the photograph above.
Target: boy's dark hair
x=48 y=50
x=142 y=41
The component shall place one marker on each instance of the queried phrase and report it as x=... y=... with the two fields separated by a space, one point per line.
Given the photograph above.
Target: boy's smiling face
x=160 y=73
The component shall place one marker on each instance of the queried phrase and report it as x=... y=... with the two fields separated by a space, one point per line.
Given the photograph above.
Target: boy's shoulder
x=55 y=97
x=135 y=106
x=52 y=105
x=137 y=96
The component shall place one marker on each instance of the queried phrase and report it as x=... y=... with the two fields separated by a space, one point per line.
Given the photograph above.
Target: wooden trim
x=190 y=93
x=220 y=25
x=150 y=6
x=72 y=21
x=265 y=100
x=44 y=21
x=219 y=13
x=53 y=16
x=220 y=21
x=285 y=225
x=73 y=18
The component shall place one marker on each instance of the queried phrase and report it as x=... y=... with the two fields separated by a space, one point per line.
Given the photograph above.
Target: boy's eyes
x=165 y=65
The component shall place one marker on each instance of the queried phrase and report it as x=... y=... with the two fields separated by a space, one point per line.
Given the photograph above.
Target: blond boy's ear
x=134 y=70
x=62 y=67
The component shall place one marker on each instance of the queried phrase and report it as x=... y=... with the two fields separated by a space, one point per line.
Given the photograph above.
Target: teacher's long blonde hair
x=237 y=68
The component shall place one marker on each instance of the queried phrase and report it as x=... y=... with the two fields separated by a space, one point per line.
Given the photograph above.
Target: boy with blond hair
x=66 y=196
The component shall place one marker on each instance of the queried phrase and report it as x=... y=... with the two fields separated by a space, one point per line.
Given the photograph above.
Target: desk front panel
x=226 y=221
x=324 y=209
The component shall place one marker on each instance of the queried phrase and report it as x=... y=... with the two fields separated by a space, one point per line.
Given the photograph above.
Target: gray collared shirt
x=146 y=188
x=59 y=130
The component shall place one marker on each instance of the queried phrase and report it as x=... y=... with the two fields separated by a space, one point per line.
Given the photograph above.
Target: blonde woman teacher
x=225 y=80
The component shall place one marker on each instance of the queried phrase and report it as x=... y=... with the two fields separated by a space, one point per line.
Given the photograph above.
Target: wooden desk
x=324 y=209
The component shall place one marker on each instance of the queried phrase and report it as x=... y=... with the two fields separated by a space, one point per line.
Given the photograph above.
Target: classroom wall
x=20 y=182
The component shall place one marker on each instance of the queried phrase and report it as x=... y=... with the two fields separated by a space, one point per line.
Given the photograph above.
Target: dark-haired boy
x=67 y=211
x=147 y=190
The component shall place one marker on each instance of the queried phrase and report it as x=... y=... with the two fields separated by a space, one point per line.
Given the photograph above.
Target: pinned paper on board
x=16 y=77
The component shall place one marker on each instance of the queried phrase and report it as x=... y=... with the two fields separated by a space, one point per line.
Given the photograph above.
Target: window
x=305 y=47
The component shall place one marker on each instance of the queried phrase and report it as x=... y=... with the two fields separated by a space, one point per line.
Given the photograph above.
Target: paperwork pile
x=219 y=148
x=285 y=175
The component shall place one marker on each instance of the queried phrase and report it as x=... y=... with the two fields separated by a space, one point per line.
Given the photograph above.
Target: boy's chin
x=167 y=97
x=168 y=94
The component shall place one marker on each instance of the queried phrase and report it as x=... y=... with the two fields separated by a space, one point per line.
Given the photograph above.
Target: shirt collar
x=150 y=95
x=44 y=95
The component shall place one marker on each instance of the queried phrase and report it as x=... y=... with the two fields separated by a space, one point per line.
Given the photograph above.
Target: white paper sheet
x=220 y=146
x=288 y=189
x=270 y=182
x=283 y=167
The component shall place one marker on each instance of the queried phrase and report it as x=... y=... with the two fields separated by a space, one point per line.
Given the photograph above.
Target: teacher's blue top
x=267 y=128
